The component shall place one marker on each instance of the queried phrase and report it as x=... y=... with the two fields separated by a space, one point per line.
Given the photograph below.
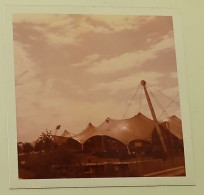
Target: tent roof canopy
x=138 y=127
x=66 y=134
x=125 y=130
x=174 y=125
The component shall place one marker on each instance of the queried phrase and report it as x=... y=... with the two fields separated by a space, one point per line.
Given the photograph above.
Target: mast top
x=143 y=82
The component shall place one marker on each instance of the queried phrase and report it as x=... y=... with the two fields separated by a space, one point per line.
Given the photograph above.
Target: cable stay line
x=140 y=102
x=130 y=102
x=162 y=108
x=169 y=105
x=165 y=95
x=158 y=103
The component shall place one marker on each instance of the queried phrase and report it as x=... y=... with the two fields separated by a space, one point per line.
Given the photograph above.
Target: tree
x=27 y=147
x=38 y=146
x=44 y=142
x=20 y=147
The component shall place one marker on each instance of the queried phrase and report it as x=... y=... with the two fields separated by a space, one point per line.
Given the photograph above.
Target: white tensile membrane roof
x=138 y=127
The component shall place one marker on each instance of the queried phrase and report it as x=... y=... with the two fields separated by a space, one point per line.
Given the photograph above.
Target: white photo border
x=15 y=182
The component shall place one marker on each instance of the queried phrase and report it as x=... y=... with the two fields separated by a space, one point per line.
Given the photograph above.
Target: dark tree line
x=43 y=143
x=45 y=159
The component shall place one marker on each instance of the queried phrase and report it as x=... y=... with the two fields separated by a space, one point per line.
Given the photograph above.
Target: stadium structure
x=136 y=136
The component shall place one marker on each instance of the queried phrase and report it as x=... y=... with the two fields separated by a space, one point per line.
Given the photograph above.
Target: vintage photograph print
x=97 y=96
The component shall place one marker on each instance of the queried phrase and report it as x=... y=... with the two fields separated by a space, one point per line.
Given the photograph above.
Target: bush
x=45 y=165
x=44 y=142
x=27 y=147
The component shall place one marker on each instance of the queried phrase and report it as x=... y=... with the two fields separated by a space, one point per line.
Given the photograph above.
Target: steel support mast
x=143 y=83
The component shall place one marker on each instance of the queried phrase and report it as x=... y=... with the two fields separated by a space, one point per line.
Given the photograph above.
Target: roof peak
x=90 y=124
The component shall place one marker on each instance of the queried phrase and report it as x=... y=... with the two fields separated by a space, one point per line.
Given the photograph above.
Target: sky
x=74 y=69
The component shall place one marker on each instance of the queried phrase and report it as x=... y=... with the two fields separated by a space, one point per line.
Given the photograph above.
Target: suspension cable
x=140 y=102
x=169 y=104
x=158 y=102
x=164 y=94
x=131 y=101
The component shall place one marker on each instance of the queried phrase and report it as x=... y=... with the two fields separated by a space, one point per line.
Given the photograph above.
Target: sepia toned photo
x=97 y=96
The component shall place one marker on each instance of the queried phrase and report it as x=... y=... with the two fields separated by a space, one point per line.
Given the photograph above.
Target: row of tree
x=43 y=143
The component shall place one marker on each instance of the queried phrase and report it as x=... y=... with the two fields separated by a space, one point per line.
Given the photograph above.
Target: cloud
x=167 y=42
x=132 y=59
x=25 y=68
x=54 y=36
x=116 y=23
x=120 y=63
x=81 y=83
x=87 y=60
x=59 y=40
x=59 y=29
x=129 y=82
x=87 y=22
